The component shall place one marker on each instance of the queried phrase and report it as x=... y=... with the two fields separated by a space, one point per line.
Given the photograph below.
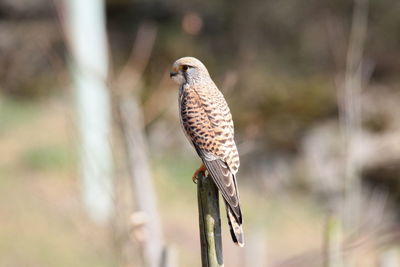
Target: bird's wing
x=208 y=124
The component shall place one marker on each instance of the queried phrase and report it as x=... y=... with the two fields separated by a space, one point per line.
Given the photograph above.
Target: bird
x=207 y=122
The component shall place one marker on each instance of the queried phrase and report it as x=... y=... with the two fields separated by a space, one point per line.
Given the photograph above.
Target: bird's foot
x=202 y=170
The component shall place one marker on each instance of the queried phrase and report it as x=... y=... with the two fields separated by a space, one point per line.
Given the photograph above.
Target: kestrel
x=207 y=123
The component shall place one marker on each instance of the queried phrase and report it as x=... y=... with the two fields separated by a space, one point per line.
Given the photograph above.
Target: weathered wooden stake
x=210 y=222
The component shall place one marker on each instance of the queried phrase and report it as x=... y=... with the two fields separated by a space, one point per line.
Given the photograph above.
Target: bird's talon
x=201 y=170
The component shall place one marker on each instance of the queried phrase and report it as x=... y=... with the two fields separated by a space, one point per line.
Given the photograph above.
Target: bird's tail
x=236 y=228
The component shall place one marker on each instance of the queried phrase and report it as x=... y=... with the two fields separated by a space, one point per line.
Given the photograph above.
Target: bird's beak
x=172 y=74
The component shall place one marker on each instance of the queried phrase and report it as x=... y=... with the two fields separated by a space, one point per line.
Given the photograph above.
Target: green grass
x=35 y=232
x=15 y=112
x=178 y=169
x=47 y=157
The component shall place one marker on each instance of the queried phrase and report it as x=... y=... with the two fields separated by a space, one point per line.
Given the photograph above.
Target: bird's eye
x=184 y=67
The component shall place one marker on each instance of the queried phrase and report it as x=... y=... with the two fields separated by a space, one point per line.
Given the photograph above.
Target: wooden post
x=210 y=222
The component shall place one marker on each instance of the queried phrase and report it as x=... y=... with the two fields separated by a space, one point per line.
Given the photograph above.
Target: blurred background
x=95 y=170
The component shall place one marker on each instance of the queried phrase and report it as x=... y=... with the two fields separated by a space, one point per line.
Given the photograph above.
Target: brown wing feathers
x=226 y=185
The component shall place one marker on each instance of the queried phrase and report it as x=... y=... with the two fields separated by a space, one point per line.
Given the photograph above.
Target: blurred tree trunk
x=146 y=220
x=86 y=33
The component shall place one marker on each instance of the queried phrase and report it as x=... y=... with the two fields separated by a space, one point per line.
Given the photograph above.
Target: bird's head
x=188 y=70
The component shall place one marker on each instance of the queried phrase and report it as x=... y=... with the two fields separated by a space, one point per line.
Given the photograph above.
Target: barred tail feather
x=235 y=227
